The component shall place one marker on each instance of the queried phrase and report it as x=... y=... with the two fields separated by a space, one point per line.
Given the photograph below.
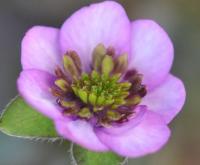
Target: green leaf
x=82 y=156
x=19 y=119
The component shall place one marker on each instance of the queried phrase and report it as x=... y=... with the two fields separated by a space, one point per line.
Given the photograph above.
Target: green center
x=101 y=90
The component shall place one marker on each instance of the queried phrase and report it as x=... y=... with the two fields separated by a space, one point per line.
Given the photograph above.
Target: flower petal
x=167 y=99
x=34 y=87
x=40 y=49
x=105 y=23
x=147 y=137
x=80 y=132
x=152 y=51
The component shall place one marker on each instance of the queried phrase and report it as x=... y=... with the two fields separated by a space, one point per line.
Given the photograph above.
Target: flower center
x=101 y=90
x=107 y=94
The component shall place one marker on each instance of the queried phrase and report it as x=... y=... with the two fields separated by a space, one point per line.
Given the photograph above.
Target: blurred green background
x=180 y=18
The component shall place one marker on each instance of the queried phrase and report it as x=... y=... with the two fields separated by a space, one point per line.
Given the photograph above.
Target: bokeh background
x=180 y=18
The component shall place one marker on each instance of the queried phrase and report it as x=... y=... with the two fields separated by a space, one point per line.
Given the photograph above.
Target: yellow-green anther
x=119 y=101
x=104 y=77
x=121 y=63
x=109 y=101
x=100 y=100
x=115 y=106
x=62 y=84
x=92 y=99
x=70 y=66
x=125 y=85
x=97 y=57
x=133 y=100
x=85 y=113
x=124 y=94
x=75 y=90
x=85 y=77
x=95 y=75
x=76 y=59
x=67 y=104
x=113 y=115
x=116 y=77
x=83 y=95
x=107 y=65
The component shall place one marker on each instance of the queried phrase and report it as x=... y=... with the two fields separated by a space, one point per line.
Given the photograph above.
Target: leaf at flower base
x=19 y=119
x=82 y=156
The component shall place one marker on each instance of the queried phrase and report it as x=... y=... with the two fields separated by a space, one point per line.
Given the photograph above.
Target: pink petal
x=80 y=132
x=152 y=51
x=104 y=22
x=147 y=137
x=167 y=99
x=34 y=87
x=40 y=49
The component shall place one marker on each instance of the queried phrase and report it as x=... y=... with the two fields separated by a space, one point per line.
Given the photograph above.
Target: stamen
x=85 y=113
x=107 y=65
x=62 y=84
x=99 y=95
x=98 y=55
x=70 y=67
x=76 y=60
x=121 y=64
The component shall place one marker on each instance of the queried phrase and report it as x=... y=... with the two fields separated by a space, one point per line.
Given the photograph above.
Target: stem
x=73 y=160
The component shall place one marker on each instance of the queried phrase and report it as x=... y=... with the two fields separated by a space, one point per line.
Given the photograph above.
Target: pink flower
x=103 y=80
